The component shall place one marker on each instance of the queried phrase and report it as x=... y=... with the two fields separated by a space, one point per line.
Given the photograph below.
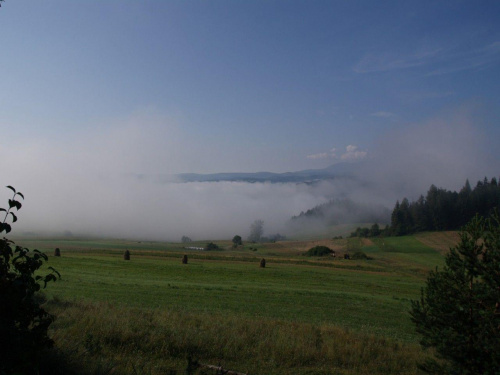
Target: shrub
x=23 y=322
x=262 y=263
x=237 y=241
x=359 y=255
x=184 y=259
x=319 y=251
x=211 y=246
x=186 y=239
x=57 y=252
x=126 y=255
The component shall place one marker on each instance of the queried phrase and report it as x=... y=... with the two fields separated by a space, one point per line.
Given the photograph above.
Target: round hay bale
x=184 y=259
x=126 y=255
x=57 y=252
x=263 y=263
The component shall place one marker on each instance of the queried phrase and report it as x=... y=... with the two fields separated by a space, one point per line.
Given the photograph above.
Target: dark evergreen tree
x=374 y=230
x=396 y=220
x=458 y=313
x=464 y=204
x=406 y=218
x=445 y=210
x=420 y=215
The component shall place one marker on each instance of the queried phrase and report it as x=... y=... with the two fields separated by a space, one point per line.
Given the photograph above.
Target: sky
x=97 y=91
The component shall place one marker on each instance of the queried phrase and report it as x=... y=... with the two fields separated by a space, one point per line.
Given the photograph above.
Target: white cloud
x=381 y=62
x=436 y=59
x=324 y=155
x=353 y=154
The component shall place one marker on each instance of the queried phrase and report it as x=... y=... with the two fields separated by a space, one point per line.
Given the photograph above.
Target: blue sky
x=275 y=80
x=102 y=88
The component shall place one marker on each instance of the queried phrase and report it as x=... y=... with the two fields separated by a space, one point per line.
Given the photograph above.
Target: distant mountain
x=305 y=176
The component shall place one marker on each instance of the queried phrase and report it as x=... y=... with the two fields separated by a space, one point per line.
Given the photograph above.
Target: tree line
x=442 y=209
x=439 y=210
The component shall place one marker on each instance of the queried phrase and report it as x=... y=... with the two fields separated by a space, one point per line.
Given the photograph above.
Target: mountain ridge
x=306 y=175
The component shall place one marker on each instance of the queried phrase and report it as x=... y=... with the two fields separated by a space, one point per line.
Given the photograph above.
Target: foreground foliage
x=459 y=313
x=23 y=322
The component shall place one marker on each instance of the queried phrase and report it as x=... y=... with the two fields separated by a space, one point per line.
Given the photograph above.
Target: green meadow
x=297 y=315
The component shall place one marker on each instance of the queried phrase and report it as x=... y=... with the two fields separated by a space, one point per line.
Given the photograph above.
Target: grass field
x=298 y=315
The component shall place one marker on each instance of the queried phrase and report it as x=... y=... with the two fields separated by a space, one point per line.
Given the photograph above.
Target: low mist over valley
x=84 y=188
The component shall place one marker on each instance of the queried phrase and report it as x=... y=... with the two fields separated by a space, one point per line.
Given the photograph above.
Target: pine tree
x=458 y=313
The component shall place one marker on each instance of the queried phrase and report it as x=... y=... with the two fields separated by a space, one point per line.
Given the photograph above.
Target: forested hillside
x=342 y=211
x=442 y=209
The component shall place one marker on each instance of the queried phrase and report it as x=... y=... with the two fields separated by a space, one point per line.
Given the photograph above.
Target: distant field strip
x=441 y=241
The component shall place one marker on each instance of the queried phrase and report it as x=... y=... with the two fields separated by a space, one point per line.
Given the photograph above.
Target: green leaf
x=21 y=195
x=55 y=271
x=11 y=188
x=12 y=203
x=14 y=217
x=7 y=227
x=3 y=209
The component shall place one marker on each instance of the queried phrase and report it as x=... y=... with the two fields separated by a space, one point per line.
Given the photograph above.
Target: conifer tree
x=459 y=311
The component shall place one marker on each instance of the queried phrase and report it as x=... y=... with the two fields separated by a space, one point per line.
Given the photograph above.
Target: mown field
x=298 y=315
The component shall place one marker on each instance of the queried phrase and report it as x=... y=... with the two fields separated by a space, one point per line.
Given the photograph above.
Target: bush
x=319 y=251
x=211 y=246
x=23 y=322
x=359 y=255
x=237 y=241
x=186 y=239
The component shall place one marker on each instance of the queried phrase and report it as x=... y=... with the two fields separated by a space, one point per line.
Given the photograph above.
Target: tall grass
x=102 y=338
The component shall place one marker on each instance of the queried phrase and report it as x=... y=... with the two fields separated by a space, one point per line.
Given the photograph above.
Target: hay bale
x=57 y=252
x=263 y=263
x=126 y=255
x=184 y=259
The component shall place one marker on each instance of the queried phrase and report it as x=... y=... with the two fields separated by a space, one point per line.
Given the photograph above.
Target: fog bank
x=87 y=183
